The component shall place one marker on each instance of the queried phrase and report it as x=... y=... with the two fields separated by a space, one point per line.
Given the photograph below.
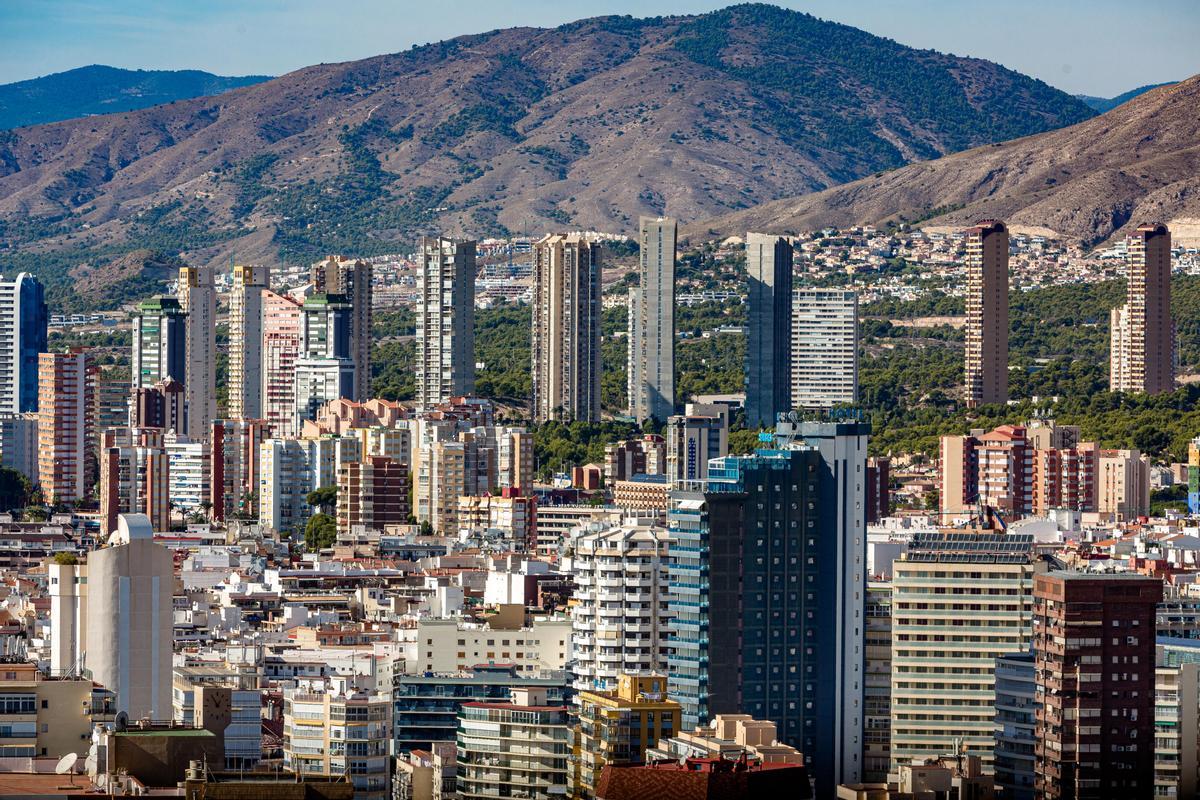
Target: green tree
x=14 y=489
x=320 y=532
x=324 y=498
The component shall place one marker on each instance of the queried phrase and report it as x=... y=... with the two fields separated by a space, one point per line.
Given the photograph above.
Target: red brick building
x=1093 y=637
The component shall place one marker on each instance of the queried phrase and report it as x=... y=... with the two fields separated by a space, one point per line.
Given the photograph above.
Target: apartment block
x=620 y=617
x=1142 y=335
x=488 y=766
x=565 y=349
x=339 y=733
x=701 y=433
x=282 y=339
x=986 y=379
x=824 y=348
x=246 y=341
x=198 y=299
x=352 y=278
x=373 y=493
x=960 y=600
x=24 y=319
x=134 y=477
x=445 y=359
x=1094 y=651
x=66 y=426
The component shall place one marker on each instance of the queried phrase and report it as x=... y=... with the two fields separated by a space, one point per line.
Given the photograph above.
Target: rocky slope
x=1140 y=161
x=586 y=125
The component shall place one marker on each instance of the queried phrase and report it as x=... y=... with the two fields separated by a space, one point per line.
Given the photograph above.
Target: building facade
x=325 y=370
x=986 y=379
x=445 y=360
x=282 y=338
x=766 y=593
x=1094 y=661
x=565 y=346
x=159 y=342
x=488 y=766
x=651 y=368
x=700 y=434
x=344 y=733
x=1142 y=336
x=24 y=319
x=373 y=493
x=198 y=299
x=769 y=329
x=351 y=278
x=620 y=617
x=824 y=351
x=67 y=426
x=246 y=341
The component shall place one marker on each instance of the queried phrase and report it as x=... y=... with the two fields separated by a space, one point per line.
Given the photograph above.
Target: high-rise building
x=445 y=321
x=291 y=468
x=824 y=351
x=234 y=462
x=766 y=589
x=1177 y=730
x=134 y=477
x=189 y=470
x=565 y=350
x=19 y=443
x=1123 y=484
x=1142 y=335
x=1016 y=720
x=488 y=764
x=120 y=599
x=23 y=336
x=325 y=370
x=987 y=314
x=282 y=338
x=879 y=488
x=246 y=341
x=67 y=426
x=645 y=455
x=620 y=615
x=163 y=405
x=1094 y=665
x=616 y=727
x=373 y=493
x=877 y=683
x=701 y=433
x=239 y=693
x=159 y=342
x=198 y=299
x=769 y=329
x=959 y=600
x=651 y=368
x=351 y=278
x=112 y=400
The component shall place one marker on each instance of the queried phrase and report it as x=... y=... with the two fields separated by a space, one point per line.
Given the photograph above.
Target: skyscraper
x=566 y=328
x=445 y=321
x=987 y=314
x=1142 y=335
x=67 y=425
x=198 y=299
x=824 y=348
x=651 y=370
x=351 y=278
x=769 y=329
x=281 y=342
x=1094 y=637
x=325 y=370
x=159 y=342
x=245 y=341
x=135 y=477
x=766 y=589
x=23 y=321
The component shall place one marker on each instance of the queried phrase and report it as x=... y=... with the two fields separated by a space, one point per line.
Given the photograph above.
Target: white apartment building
x=620 y=616
x=452 y=645
x=243 y=735
x=445 y=311
x=291 y=468
x=189 y=472
x=198 y=298
x=824 y=348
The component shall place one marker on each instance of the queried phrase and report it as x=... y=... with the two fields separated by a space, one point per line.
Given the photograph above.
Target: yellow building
x=617 y=727
x=44 y=717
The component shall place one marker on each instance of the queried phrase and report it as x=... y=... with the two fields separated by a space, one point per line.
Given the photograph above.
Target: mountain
x=1140 y=161
x=586 y=125
x=1102 y=104
x=98 y=89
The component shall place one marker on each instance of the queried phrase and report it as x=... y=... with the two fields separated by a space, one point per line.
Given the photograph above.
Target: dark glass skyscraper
x=769 y=329
x=767 y=593
x=24 y=318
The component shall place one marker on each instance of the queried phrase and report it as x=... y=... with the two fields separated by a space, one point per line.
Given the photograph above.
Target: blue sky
x=1100 y=47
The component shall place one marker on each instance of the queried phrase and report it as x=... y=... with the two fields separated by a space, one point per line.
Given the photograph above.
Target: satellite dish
x=121 y=721
x=89 y=764
x=66 y=763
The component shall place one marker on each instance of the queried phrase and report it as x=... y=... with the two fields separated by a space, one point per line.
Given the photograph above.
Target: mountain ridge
x=1103 y=104
x=1140 y=161
x=587 y=125
x=101 y=89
